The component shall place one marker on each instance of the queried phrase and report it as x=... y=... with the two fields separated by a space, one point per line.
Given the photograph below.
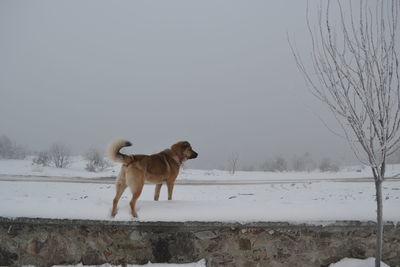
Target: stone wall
x=43 y=242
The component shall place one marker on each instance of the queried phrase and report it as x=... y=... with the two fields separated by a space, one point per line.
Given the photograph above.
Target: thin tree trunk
x=379 y=230
x=356 y=72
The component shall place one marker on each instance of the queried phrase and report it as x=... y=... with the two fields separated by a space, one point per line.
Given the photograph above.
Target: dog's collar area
x=173 y=155
x=177 y=159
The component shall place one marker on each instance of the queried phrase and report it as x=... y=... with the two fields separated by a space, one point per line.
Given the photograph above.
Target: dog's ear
x=177 y=148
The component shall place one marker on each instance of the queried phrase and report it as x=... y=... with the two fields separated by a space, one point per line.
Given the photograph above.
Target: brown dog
x=156 y=168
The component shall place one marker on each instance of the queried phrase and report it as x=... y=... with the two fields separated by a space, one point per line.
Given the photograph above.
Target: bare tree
x=277 y=164
x=60 y=155
x=303 y=162
x=233 y=163
x=281 y=164
x=10 y=150
x=355 y=72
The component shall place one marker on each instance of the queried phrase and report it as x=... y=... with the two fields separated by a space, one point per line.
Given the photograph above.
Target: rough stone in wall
x=46 y=242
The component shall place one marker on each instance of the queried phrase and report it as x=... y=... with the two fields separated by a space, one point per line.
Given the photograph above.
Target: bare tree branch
x=355 y=72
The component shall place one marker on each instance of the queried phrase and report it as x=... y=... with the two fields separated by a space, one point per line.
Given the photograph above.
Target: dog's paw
x=113 y=213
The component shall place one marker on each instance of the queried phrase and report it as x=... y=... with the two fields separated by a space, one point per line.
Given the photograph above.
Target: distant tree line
x=297 y=163
x=57 y=155
x=302 y=163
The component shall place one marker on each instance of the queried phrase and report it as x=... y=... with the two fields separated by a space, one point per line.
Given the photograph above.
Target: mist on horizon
x=217 y=74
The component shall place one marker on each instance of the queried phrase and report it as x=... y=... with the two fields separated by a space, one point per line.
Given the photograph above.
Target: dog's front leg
x=170 y=189
x=157 y=192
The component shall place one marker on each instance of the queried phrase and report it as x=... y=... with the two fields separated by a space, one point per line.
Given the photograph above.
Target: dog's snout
x=194 y=155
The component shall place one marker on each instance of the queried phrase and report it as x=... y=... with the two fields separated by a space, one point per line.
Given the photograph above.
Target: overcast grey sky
x=219 y=74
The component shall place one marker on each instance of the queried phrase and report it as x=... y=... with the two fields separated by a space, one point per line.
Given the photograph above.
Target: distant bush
x=42 y=158
x=59 y=155
x=297 y=163
x=20 y=152
x=326 y=165
x=10 y=150
x=303 y=163
x=278 y=164
x=96 y=161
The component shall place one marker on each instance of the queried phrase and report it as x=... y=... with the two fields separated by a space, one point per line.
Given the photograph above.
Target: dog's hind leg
x=137 y=190
x=120 y=186
x=157 y=192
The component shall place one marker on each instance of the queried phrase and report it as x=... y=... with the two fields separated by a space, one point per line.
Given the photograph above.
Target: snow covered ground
x=296 y=202
x=300 y=201
x=347 y=262
x=303 y=201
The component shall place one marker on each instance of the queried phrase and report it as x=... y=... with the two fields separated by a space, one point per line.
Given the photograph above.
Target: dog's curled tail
x=115 y=155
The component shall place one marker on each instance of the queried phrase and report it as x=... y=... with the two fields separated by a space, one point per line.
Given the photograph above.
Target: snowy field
x=297 y=202
x=300 y=201
x=293 y=202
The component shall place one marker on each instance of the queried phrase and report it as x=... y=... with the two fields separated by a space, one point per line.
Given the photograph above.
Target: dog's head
x=184 y=151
